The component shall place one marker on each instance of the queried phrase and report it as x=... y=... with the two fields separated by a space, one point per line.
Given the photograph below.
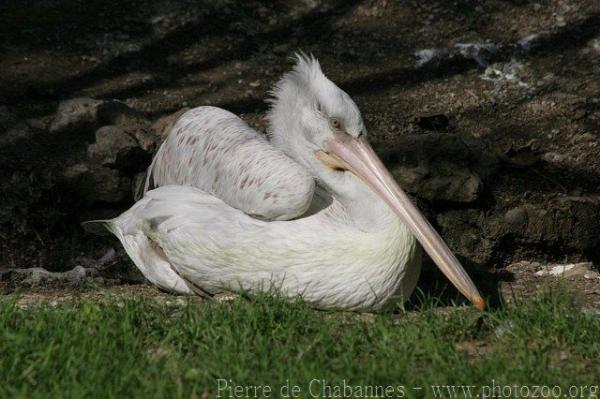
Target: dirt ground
x=488 y=112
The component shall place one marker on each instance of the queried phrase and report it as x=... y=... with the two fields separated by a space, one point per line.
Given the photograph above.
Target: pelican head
x=317 y=124
x=308 y=112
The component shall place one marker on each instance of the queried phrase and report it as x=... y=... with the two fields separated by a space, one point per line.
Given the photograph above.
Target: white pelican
x=312 y=213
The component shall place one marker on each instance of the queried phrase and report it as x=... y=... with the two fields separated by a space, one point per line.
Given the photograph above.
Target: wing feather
x=214 y=150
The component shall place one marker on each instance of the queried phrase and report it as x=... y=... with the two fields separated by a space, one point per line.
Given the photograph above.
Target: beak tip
x=479 y=303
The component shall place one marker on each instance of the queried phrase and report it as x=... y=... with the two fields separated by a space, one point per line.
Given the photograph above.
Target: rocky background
x=487 y=112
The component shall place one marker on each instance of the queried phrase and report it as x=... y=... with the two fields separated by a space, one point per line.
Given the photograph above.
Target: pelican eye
x=335 y=124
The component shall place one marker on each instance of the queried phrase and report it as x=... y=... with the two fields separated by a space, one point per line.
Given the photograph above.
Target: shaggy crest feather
x=306 y=86
x=297 y=84
x=305 y=73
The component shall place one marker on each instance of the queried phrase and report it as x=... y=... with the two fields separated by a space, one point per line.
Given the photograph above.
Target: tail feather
x=147 y=255
x=98 y=227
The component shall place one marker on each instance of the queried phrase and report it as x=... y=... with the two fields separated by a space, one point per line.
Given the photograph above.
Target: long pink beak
x=357 y=156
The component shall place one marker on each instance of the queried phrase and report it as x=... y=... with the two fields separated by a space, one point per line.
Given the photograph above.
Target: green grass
x=143 y=349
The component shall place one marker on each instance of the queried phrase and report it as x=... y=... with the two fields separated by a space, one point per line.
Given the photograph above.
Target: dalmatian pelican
x=309 y=211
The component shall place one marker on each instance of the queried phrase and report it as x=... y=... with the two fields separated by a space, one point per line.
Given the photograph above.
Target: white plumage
x=235 y=212
x=217 y=247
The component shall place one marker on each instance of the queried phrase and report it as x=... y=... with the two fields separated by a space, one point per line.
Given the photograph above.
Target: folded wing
x=214 y=150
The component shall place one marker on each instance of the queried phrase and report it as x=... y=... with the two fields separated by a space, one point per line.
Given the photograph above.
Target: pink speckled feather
x=214 y=150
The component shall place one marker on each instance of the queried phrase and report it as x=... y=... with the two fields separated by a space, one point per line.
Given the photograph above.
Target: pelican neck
x=369 y=212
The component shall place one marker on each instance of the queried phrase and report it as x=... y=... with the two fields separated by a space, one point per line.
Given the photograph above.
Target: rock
x=75 y=172
x=523 y=269
x=556 y=227
x=523 y=156
x=225 y=297
x=146 y=138
x=76 y=114
x=591 y=275
x=561 y=223
x=555 y=158
x=110 y=141
x=516 y=217
x=503 y=329
x=479 y=52
x=577 y=218
x=439 y=166
x=37 y=276
x=485 y=54
x=571 y=270
x=161 y=128
x=529 y=41
x=511 y=72
x=464 y=231
x=105 y=185
x=425 y=56
x=150 y=137
x=483 y=161
x=123 y=139
x=583 y=138
x=117 y=113
x=461 y=186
